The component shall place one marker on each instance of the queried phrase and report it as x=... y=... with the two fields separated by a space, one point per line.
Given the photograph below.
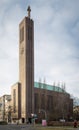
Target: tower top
x=29 y=10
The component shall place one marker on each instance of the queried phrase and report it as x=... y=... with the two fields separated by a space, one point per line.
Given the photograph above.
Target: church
x=33 y=97
x=28 y=97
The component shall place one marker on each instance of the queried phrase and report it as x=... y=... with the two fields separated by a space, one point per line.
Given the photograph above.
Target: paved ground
x=24 y=127
x=16 y=127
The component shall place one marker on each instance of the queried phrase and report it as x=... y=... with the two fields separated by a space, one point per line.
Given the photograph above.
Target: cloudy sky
x=56 y=24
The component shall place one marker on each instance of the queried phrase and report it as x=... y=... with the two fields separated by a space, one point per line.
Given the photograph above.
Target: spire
x=29 y=10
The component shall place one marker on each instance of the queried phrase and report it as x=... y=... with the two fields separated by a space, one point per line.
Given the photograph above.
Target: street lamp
x=42 y=110
x=44 y=122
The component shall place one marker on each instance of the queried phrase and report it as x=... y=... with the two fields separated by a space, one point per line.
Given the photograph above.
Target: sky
x=56 y=42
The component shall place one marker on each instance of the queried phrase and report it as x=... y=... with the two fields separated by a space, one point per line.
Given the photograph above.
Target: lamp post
x=42 y=110
x=44 y=121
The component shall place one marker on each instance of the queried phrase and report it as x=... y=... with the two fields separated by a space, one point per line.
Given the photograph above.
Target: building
x=28 y=97
x=26 y=65
x=34 y=99
x=5 y=107
x=52 y=102
x=76 y=112
x=16 y=101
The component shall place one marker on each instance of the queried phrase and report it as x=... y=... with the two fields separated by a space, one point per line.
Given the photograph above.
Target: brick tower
x=26 y=65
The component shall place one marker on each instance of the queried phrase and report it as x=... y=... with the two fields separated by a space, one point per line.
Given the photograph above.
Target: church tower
x=26 y=65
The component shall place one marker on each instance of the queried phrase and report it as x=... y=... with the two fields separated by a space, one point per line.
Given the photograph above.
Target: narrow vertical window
x=14 y=99
x=29 y=33
x=22 y=34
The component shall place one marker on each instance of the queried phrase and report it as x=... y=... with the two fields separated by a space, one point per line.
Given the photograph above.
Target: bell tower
x=26 y=65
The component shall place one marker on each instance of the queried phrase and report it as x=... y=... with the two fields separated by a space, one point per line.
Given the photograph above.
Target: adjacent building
x=16 y=101
x=5 y=107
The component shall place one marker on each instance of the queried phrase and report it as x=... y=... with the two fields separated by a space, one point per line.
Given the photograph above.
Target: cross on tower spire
x=29 y=10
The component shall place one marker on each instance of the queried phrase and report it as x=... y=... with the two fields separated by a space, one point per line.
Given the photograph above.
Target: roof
x=48 y=87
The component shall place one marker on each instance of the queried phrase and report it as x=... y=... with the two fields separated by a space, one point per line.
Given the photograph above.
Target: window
x=43 y=101
x=49 y=103
x=22 y=34
x=14 y=100
x=36 y=100
x=29 y=33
